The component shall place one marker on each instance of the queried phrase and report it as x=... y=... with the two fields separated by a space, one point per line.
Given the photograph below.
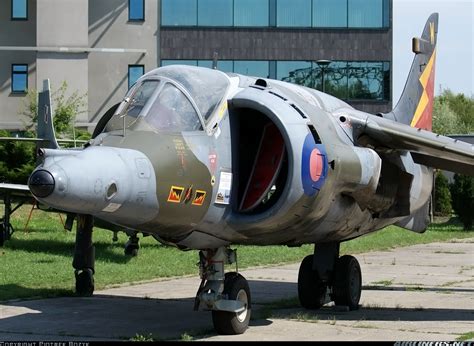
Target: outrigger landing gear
x=227 y=295
x=84 y=256
x=325 y=277
x=132 y=246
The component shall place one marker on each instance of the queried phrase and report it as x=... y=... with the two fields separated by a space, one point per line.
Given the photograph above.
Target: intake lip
x=41 y=183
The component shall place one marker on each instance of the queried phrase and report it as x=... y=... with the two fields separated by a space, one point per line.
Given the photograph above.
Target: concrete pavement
x=421 y=292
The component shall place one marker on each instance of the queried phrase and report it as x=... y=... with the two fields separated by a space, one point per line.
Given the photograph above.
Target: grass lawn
x=38 y=262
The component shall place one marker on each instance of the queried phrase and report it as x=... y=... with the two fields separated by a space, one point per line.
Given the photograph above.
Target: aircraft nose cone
x=41 y=183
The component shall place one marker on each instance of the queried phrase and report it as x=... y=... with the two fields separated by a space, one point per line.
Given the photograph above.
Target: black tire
x=231 y=323
x=131 y=250
x=347 y=282
x=3 y=233
x=311 y=291
x=85 y=283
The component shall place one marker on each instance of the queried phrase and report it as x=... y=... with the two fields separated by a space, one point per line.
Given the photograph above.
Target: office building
x=343 y=47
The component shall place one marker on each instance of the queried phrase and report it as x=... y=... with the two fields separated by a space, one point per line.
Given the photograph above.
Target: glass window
x=330 y=13
x=366 y=80
x=222 y=65
x=196 y=82
x=134 y=72
x=19 y=9
x=335 y=79
x=215 y=13
x=252 y=68
x=294 y=13
x=19 y=78
x=136 y=9
x=179 y=12
x=365 y=13
x=251 y=13
x=298 y=72
x=140 y=97
x=386 y=81
x=386 y=13
x=173 y=112
x=178 y=62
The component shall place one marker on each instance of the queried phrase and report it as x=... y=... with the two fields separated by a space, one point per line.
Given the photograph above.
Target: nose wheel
x=226 y=295
x=231 y=323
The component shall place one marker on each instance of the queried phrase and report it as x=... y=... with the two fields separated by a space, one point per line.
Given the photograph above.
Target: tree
x=453 y=114
x=17 y=160
x=445 y=120
x=462 y=192
x=442 y=195
x=65 y=111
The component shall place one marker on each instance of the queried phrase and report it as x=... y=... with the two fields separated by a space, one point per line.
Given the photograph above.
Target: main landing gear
x=325 y=277
x=226 y=295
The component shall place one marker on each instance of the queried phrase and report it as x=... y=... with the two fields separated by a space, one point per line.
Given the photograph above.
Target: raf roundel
x=314 y=166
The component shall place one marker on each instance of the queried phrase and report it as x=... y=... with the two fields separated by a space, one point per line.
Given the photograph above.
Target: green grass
x=38 y=263
x=466 y=336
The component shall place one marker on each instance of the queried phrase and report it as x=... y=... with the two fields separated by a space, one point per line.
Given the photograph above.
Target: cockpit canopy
x=172 y=99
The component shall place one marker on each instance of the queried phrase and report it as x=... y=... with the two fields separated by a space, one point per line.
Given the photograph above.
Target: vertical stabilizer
x=415 y=106
x=45 y=117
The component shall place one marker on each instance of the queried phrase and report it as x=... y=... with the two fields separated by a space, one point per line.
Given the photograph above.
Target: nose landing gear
x=226 y=295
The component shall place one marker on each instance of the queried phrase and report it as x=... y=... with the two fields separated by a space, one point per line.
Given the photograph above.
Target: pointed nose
x=41 y=183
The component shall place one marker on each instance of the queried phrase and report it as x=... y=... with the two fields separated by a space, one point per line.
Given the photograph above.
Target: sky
x=455 y=58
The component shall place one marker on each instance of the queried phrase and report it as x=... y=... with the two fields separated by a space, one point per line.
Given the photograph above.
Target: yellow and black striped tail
x=415 y=106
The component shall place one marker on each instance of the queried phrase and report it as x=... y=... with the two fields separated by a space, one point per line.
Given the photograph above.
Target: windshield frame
x=144 y=112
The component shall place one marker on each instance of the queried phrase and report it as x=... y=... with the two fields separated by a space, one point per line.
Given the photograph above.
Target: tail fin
x=415 y=106
x=45 y=129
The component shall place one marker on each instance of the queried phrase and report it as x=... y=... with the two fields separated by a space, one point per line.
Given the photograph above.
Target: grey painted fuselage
x=186 y=187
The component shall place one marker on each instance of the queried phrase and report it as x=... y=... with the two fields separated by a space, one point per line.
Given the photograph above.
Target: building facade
x=343 y=47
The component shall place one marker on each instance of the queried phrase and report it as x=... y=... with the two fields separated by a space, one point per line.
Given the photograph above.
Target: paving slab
x=420 y=292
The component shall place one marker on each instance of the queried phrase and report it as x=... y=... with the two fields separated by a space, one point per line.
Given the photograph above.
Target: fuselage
x=202 y=159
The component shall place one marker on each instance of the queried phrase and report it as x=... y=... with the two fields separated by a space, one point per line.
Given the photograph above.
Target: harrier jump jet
x=201 y=160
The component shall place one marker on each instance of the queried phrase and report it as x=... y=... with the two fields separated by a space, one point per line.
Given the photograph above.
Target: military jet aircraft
x=201 y=159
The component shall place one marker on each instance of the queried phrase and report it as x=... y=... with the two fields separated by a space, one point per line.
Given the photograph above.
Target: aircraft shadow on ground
x=123 y=317
x=103 y=251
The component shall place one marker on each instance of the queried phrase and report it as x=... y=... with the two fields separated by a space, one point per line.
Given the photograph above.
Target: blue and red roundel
x=314 y=166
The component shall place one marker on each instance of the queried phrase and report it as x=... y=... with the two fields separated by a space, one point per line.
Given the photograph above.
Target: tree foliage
x=442 y=196
x=65 y=108
x=453 y=114
x=18 y=159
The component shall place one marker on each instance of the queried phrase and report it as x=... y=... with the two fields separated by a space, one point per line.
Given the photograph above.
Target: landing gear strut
x=84 y=256
x=226 y=295
x=325 y=277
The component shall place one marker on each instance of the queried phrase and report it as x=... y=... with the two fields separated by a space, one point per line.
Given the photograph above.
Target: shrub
x=462 y=192
x=442 y=196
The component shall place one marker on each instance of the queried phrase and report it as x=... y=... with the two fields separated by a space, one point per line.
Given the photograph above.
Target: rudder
x=415 y=106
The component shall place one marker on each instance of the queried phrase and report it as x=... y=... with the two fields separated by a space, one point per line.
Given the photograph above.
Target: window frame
x=12 y=17
x=142 y=19
x=14 y=73
x=128 y=74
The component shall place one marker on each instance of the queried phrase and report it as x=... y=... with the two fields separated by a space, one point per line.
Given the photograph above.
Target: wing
x=14 y=190
x=426 y=148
